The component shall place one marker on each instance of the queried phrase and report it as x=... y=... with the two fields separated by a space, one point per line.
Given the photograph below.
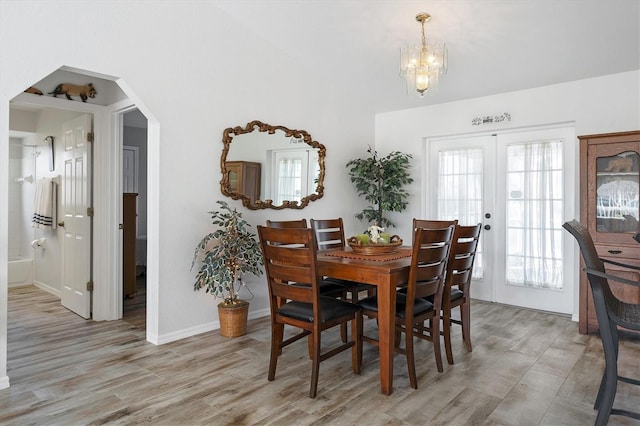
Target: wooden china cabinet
x=244 y=178
x=609 y=192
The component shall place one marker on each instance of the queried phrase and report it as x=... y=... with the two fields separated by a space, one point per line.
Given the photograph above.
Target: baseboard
x=199 y=329
x=259 y=314
x=4 y=382
x=47 y=288
x=575 y=317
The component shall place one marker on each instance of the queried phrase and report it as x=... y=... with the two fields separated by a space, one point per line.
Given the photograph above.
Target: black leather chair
x=611 y=313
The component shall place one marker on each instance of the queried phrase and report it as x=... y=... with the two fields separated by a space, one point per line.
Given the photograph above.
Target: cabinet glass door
x=617 y=193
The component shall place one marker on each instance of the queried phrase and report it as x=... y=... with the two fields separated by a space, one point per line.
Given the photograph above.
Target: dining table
x=386 y=272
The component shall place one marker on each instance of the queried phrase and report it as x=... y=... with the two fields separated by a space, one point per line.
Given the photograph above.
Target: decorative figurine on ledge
x=34 y=91
x=86 y=91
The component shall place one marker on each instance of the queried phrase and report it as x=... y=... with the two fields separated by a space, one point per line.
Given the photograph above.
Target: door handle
x=61 y=224
x=487 y=227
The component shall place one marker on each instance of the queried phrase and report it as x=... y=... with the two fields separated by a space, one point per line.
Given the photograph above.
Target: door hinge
x=90 y=137
x=90 y=211
x=89 y=285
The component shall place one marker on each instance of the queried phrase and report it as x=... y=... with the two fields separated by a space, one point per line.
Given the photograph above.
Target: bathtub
x=20 y=271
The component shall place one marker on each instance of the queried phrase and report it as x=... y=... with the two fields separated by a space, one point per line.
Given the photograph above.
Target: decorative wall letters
x=491 y=119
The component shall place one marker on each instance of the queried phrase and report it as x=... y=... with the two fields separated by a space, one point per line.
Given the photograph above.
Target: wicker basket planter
x=233 y=319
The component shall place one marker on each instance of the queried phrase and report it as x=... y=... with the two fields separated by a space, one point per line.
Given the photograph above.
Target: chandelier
x=422 y=65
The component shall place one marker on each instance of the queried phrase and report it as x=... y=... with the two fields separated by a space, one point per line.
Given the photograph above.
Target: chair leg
x=356 y=335
x=315 y=364
x=360 y=333
x=411 y=362
x=434 y=323
x=596 y=405
x=277 y=334
x=343 y=326
x=446 y=332
x=610 y=378
x=397 y=337
x=465 y=317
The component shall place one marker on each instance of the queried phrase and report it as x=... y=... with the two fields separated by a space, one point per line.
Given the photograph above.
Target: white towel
x=45 y=206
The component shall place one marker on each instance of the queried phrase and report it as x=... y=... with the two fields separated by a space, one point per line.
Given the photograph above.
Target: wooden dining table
x=386 y=275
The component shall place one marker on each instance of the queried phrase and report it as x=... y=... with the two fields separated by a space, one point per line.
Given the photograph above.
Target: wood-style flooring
x=526 y=368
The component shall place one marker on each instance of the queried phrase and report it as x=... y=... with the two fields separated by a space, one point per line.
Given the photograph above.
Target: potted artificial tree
x=380 y=180
x=224 y=255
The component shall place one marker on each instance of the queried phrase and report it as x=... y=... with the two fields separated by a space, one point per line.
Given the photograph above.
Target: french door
x=520 y=186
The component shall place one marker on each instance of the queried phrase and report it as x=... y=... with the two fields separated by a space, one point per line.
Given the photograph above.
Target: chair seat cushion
x=330 y=309
x=455 y=295
x=420 y=306
x=350 y=285
x=330 y=288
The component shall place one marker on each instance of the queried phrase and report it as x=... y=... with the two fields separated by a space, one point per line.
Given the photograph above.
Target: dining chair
x=290 y=257
x=330 y=235
x=457 y=285
x=611 y=313
x=430 y=251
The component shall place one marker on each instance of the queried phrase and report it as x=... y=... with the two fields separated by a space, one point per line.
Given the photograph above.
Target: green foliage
x=380 y=181
x=226 y=253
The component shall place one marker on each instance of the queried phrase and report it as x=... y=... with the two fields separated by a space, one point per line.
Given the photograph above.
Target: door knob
x=61 y=224
x=487 y=227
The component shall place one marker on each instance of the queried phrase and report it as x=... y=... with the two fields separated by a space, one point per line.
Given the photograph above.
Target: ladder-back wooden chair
x=290 y=257
x=457 y=285
x=330 y=235
x=430 y=251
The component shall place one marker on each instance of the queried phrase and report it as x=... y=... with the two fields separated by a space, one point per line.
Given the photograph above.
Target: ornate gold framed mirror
x=271 y=167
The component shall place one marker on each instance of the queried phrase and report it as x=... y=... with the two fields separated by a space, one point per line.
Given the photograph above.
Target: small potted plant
x=380 y=180
x=224 y=255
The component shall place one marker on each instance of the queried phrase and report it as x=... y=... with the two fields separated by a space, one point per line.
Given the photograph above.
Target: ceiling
x=494 y=46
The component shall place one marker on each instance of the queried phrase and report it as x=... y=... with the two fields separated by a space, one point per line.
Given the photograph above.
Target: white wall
x=196 y=76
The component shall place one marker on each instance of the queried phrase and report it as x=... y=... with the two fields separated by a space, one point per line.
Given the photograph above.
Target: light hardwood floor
x=526 y=368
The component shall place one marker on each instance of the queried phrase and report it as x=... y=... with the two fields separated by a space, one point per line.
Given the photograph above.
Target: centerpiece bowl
x=370 y=249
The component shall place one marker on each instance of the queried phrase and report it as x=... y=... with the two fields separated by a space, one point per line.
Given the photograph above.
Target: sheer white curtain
x=534 y=214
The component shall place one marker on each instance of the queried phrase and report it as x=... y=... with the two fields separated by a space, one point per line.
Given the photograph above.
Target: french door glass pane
x=534 y=214
x=460 y=192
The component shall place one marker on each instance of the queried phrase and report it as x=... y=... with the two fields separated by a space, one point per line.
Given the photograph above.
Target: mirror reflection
x=271 y=166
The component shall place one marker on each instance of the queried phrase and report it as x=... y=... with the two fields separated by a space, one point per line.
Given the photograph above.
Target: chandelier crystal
x=422 y=65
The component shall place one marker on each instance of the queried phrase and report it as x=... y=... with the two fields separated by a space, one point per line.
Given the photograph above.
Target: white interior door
x=76 y=200
x=516 y=185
